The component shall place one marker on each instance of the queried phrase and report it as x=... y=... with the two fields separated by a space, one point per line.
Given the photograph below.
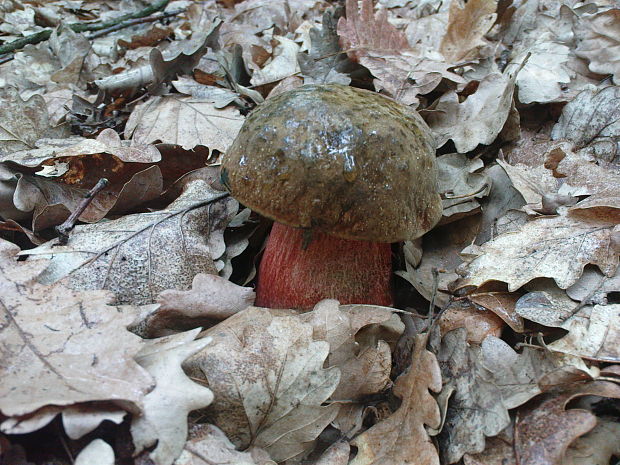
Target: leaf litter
x=520 y=364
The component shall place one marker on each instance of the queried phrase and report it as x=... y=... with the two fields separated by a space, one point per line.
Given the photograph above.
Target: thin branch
x=65 y=228
x=133 y=22
x=83 y=27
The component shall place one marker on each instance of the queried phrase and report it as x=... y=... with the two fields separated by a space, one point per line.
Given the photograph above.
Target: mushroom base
x=353 y=272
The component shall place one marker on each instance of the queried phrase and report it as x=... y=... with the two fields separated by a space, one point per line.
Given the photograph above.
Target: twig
x=6 y=58
x=82 y=27
x=64 y=229
x=133 y=22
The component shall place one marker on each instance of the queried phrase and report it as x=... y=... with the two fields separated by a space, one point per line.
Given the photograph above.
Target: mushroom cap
x=341 y=160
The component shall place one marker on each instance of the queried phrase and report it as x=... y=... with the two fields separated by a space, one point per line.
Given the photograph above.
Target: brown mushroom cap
x=345 y=161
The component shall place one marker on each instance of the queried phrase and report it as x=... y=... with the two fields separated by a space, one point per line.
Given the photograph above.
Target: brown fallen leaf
x=544 y=430
x=362 y=30
x=184 y=121
x=554 y=247
x=62 y=346
x=138 y=256
x=163 y=421
x=209 y=445
x=402 y=438
x=272 y=398
x=596 y=447
x=283 y=63
x=478 y=323
x=210 y=299
x=497 y=452
x=599 y=42
x=477 y=120
x=23 y=122
x=467 y=26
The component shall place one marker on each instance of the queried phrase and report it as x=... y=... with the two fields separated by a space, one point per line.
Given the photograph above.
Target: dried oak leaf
x=362 y=30
x=23 y=122
x=97 y=452
x=208 y=445
x=163 y=421
x=323 y=63
x=460 y=182
x=544 y=430
x=282 y=64
x=596 y=447
x=402 y=437
x=138 y=256
x=591 y=121
x=599 y=42
x=184 y=121
x=467 y=26
x=475 y=408
x=267 y=375
x=553 y=247
x=593 y=333
x=211 y=299
x=477 y=120
x=62 y=346
x=584 y=176
x=401 y=72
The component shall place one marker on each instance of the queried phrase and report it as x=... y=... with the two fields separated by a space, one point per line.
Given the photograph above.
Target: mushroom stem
x=353 y=272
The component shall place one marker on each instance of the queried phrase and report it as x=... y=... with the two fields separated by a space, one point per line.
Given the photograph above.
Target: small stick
x=6 y=58
x=64 y=229
x=133 y=22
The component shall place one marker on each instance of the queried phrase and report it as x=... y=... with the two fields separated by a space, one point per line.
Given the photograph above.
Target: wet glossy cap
x=345 y=161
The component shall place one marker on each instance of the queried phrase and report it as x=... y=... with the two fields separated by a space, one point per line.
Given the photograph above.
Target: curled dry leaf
x=208 y=445
x=23 y=122
x=282 y=65
x=478 y=323
x=596 y=447
x=402 y=437
x=97 y=452
x=477 y=120
x=269 y=383
x=460 y=183
x=184 y=121
x=553 y=247
x=163 y=421
x=593 y=333
x=600 y=42
x=62 y=346
x=138 y=256
x=210 y=299
x=467 y=26
x=544 y=430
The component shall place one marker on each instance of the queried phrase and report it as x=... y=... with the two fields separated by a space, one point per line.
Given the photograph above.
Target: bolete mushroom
x=343 y=172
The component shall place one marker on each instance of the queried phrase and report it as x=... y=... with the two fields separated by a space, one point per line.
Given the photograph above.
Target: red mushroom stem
x=353 y=272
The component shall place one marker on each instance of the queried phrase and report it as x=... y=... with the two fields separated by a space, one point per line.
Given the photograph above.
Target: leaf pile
x=135 y=340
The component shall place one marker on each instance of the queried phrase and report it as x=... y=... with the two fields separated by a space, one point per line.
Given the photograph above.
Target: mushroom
x=344 y=173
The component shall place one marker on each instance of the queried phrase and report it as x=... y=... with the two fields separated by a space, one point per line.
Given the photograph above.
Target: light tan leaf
x=553 y=247
x=593 y=333
x=185 y=121
x=362 y=31
x=460 y=182
x=545 y=429
x=282 y=65
x=544 y=71
x=61 y=346
x=596 y=447
x=210 y=299
x=401 y=438
x=164 y=419
x=600 y=42
x=467 y=26
x=476 y=409
x=592 y=121
x=22 y=123
x=497 y=452
x=269 y=383
x=97 y=452
x=478 y=323
x=479 y=119
x=140 y=255
x=208 y=445
x=583 y=176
